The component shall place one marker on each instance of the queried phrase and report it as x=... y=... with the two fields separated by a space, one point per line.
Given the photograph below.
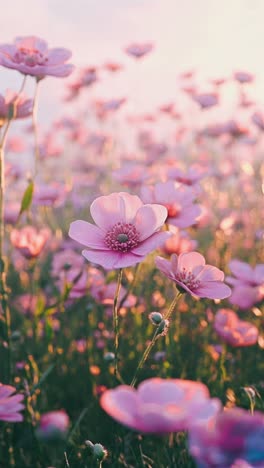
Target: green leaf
x=27 y=198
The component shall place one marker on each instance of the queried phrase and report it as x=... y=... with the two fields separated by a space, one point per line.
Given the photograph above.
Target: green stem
x=35 y=126
x=153 y=340
x=115 y=320
x=3 y=269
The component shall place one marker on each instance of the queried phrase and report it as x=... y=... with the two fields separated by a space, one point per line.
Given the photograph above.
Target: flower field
x=131 y=269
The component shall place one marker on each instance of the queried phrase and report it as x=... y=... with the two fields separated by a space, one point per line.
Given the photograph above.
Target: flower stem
x=153 y=340
x=115 y=320
x=35 y=127
x=3 y=272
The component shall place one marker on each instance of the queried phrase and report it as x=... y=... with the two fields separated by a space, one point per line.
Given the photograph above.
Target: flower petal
x=111 y=260
x=149 y=219
x=87 y=234
x=152 y=243
x=213 y=290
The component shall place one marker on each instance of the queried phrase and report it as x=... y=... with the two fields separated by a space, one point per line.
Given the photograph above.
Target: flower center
x=173 y=210
x=122 y=237
x=30 y=57
x=188 y=278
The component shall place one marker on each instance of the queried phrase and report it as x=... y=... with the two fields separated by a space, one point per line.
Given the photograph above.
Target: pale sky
x=214 y=37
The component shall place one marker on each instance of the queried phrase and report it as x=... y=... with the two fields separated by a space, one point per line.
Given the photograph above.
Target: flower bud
x=163 y=327
x=97 y=450
x=155 y=318
x=109 y=357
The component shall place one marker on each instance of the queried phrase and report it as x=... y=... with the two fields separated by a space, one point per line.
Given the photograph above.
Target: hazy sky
x=215 y=37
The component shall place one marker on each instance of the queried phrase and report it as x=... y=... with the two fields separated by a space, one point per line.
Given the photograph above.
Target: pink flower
x=30 y=55
x=206 y=100
x=138 y=51
x=190 y=273
x=22 y=108
x=190 y=177
x=29 y=241
x=10 y=406
x=248 y=283
x=179 y=242
x=234 y=435
x=243 y=77
x=53 y=425
x=125 y=230
x=160 y=405
x=234 y=331
x=105 y=293
x=178 y=200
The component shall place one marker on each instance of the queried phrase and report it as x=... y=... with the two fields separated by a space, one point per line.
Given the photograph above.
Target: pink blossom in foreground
x=53 y=425
x=189 y=272
x=234 y=331
x=139 y=50
x=161 y=405
x=126 y=230
x=14 y=106
x=30 y=55
x=178 y=200
x=248 y=283
x=29 y=241
x=235 y=435
x=10 y=405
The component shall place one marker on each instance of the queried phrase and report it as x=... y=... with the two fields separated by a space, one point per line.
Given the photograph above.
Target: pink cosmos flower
x=179 y=242
x=53 y=425
x=206 y=100
x=234 y=331
x=29 y=241
x=161 y=405
x=248 y=283
x=243 y=77
x=105 y=293
x=23 y=106
x=235 y=435
x=30 y=55
x=138 y=51
x=190 y=177
x=10 y=405
x=189 y=272
x=178 y=200
x=126 y=230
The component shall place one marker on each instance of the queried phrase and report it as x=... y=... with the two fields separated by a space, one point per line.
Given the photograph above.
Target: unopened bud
x=155 y=318
x=109 y=357
x=163 y=328
x=97 y=450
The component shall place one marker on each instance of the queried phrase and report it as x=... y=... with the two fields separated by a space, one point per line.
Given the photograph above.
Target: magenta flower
x=189 y=272
x=10 y=405
x=161 y=405
x=234 y=436
x=234 y=331
x=30 y=55
x=178 y=200
x=125 y=230
x=248 y=283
